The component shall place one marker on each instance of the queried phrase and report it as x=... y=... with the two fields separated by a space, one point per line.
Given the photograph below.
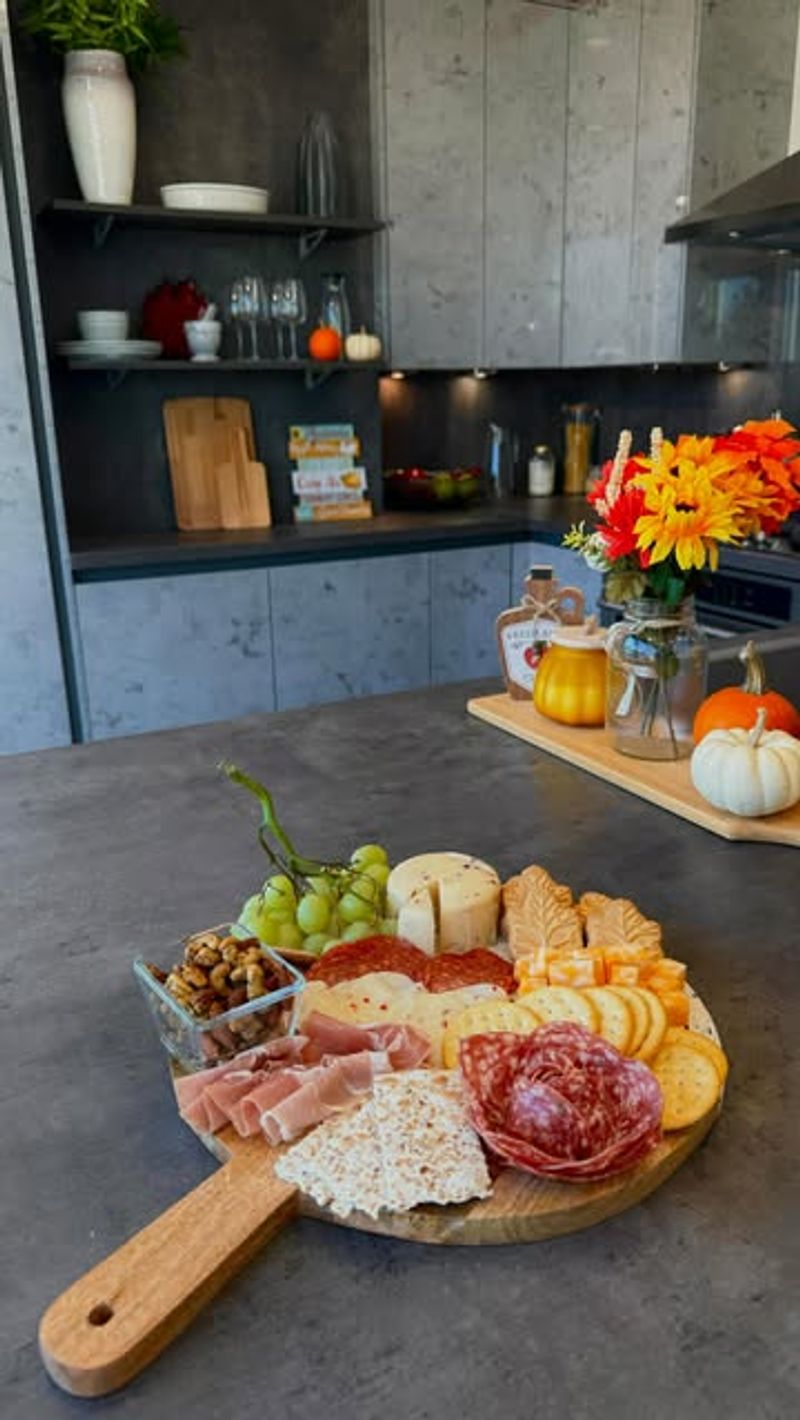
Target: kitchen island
x=679 y=1308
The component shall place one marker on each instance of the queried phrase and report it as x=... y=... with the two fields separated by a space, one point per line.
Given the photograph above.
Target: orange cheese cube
x=676 y=1005
x=580 y=969
x=664 y=975
x=625 y=973
x=531 y=969
x=631 y=952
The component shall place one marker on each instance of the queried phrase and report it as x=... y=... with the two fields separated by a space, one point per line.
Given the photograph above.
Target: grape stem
x=293 y=864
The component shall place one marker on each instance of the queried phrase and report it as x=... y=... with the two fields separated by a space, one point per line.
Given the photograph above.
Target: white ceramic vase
x=100 y=114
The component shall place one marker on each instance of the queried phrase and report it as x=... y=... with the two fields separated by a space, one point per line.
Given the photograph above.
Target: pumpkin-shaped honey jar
x=570 y=684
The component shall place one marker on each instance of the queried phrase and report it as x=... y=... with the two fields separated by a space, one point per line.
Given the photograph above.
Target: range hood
x=763 y=212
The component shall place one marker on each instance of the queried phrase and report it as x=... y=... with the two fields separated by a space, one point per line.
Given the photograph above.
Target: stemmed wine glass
x=288 y=307
x=295 y=310
x=248 y=306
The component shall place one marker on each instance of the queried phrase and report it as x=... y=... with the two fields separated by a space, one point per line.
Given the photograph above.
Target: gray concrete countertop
x=515 y=520
x=681 y=1309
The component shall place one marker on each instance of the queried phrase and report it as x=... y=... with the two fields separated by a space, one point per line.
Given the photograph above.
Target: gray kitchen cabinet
x=530 y=158
x=526 y=148
x=470 y=586
x=343 y=629
x=166 y=651
x=661 y=178
x=433 y=122
x=33 y=704
x=601 y=158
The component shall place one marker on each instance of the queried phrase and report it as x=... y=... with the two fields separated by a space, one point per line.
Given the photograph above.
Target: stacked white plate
x=215 y=197
x=110 y=349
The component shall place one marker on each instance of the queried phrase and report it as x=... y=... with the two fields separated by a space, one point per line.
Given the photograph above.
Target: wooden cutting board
x=665 y=783
x=116 y=1319
x=216 y=481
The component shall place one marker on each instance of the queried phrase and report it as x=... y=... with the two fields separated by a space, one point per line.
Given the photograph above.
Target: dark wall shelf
x=103 y=217
x=316 y=372
x=284 y=367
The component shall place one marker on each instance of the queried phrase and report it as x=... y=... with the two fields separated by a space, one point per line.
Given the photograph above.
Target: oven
x=741 y=599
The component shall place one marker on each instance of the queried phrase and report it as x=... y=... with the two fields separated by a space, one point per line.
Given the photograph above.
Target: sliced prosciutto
x=289 y=1085
x=561 y=1102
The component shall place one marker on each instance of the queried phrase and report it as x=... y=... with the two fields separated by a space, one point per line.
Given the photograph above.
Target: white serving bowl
x=103 y=325
x=215 y=197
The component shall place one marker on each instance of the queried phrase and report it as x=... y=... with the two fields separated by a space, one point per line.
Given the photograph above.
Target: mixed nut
x=219 y=972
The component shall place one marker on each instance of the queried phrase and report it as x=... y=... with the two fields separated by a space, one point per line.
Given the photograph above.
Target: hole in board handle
x=100 y=1314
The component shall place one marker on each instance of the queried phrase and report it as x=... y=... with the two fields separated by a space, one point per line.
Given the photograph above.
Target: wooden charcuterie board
x=116 y=1319
x=664 y=783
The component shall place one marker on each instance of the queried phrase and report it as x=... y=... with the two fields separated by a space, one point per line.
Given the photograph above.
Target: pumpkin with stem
x=751 y=773
x=736 y=707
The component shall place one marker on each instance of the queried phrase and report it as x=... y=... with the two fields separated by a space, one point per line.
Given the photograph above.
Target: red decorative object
x=164 y=310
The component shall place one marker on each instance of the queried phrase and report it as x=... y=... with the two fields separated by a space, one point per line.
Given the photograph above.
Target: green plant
x=135 y=28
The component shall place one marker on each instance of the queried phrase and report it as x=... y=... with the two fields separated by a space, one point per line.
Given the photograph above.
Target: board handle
x=116 y=1319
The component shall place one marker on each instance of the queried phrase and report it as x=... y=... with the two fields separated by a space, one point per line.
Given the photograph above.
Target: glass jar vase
x=656 y=679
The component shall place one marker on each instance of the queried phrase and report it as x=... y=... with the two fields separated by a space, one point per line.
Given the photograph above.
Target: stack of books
x=327 y=480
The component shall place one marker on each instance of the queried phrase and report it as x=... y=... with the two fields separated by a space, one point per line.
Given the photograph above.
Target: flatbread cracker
x=429 y=1150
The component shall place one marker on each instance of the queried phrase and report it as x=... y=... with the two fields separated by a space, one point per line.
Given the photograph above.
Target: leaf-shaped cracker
x=614 y=923
x=540 y=913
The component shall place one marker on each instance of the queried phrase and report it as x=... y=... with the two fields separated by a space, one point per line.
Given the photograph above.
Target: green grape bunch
x=310 y=906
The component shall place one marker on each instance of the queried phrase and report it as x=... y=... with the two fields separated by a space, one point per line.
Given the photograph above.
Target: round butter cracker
x=616 y=1016
x=657 y=1028
x=482 y=1018
x=679 y=1035
x=690 y=1084
x=562 y=1003
x=641 y=1014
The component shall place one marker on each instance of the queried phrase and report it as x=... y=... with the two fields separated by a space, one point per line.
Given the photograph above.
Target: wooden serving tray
x=113 y=1322
x=667 y=784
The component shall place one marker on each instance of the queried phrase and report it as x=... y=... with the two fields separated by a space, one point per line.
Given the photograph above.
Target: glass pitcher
x=656 y=679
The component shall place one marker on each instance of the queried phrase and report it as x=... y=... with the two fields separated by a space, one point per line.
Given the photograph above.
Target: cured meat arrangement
x=561 y=1102
x=286 y=1086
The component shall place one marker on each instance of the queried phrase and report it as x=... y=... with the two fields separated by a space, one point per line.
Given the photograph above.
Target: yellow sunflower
x=687 y=514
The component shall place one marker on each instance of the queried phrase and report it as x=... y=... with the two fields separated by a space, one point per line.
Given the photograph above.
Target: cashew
x=218 y=976
x=255 y=980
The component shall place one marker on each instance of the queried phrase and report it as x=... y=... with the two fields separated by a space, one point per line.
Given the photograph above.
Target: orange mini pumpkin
x=735 y=707
x=325 y=343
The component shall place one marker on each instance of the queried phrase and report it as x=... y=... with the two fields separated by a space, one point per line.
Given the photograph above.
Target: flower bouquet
x=660 y=521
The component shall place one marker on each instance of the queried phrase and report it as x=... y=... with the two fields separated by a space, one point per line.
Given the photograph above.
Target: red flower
x=618 y=528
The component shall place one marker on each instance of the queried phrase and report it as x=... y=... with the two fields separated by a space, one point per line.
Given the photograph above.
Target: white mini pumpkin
x=362 y=345
x=748 y=772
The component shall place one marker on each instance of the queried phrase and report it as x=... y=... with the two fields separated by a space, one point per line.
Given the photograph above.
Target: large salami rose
x=561 y=1102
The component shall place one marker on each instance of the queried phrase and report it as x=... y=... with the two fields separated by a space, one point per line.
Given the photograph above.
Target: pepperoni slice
x=452 y=970
x=561 y=1102
x=353 y=959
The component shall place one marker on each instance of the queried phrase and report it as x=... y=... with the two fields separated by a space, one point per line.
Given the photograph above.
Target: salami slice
x=353 y=959
x=561 y=1102
x=452 y=970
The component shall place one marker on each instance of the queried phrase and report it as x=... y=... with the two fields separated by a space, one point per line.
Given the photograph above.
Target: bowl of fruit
x=306 y=906
x=425 y=488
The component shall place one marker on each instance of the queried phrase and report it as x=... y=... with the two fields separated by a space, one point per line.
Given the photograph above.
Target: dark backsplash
x=440 y=420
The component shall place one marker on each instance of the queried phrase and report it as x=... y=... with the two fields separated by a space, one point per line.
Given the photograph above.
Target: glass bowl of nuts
x=226 y=994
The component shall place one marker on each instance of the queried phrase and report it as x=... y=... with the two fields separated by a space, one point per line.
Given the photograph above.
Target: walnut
x=195 y=975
